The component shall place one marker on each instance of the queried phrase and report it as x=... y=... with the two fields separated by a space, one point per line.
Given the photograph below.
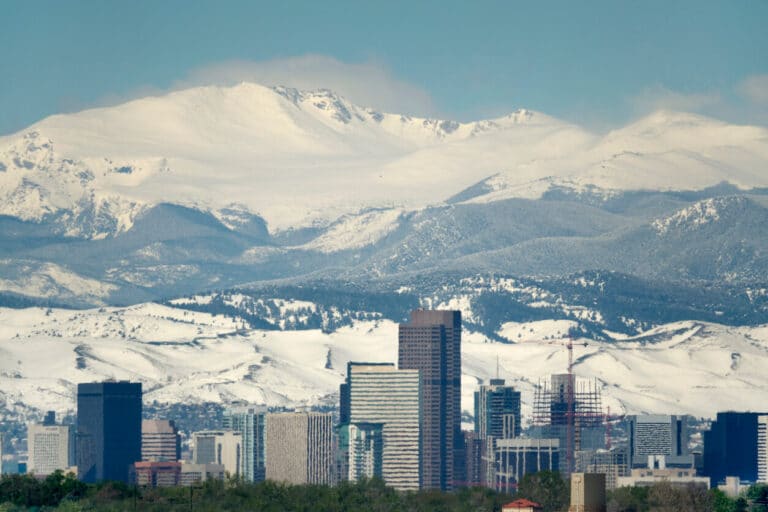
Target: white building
x=762 y=449
x=160 y=441
x=49 y=449
x=222 y=447
x=379 y=393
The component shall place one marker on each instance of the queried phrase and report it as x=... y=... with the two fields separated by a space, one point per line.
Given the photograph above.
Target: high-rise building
x=249 y=421
x=659 y=435
x=379 y=393
x=730 y=447
x=431 y=343
x=160 y=441
x=514 y=458
x=300 y=448
x=222 y=447
x=108 y=430
x=497 y=410
x=50 y=448
x=360 y=448
x=762 y=449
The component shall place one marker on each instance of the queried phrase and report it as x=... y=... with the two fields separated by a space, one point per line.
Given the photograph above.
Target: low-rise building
x=192 y=474
x=646 y=477
x=522 y=505
x=157 y=474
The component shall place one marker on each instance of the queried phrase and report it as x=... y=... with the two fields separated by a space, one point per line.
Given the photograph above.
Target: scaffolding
x=571 y=411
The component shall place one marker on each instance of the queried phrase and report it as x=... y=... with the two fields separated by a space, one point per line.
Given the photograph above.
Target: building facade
x=431 y=343
x=360 y=446
x=762 y=449
x=160 y=441
x=50 y=448
x=514 y=458
x=249 y=421
x=659 y=435
x=158 y=474
x=730 y=447
x=192 y=474
x=497 y=410
x=587 y=492
x=108 y=430
x=300 y=448
x=378 y=393
x=223 y=447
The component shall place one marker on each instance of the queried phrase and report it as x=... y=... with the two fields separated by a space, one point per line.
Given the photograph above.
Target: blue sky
x=597 y=63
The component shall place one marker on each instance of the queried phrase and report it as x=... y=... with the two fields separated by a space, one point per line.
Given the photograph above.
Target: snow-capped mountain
x=299 y=158
x=190 y=357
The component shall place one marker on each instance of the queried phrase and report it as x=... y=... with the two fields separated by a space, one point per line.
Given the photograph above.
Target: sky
x=597 y=63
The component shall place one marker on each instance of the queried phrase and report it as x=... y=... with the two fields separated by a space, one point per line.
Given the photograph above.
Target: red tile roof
x=522 y=503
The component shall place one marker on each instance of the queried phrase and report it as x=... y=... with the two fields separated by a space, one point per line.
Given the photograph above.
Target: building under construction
x=571 y=412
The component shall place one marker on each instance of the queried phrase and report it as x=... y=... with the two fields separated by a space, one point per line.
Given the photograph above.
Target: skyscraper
x=497 y=410
x=160 y=441
x=762 y=449
x=379 y=393
x=361 y=446
x=249 y=421
x=730 y=447
x=300 y=448
x=108 y=430
x=659 y=435
x=431 y=343
x=49 y=448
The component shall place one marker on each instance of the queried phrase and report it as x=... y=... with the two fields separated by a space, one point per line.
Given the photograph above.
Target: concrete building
x=160 y=441
x=378 y=393
x=431 y=343
x=731 y=447
x=300 y=448
x=222 y=447
x=249 y=421
x=49 y=448
x=612 y=463
x=108 y=430
x=732 y=487
x=157 y=474
x=659 y=435
x=360 y=447
x=762 y=449
x=646 y=477
x=587 y=492
x=192 y=474
x=514 y=458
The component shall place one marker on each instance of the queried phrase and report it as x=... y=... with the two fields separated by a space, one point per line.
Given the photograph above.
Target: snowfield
x=310 y=158
x=191 y=357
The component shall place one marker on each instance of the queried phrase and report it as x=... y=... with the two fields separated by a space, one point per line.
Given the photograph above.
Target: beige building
x=192 y=474
x=762 y=449
x=49 y=448
x=300 y=448
x=222 y=447
x=160 y=441
x=646 y=477
x=587 y=492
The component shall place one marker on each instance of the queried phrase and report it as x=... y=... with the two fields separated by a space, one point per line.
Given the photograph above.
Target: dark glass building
x=108 y=430
x=431 y=343
x=497 y=411
x=730 y=447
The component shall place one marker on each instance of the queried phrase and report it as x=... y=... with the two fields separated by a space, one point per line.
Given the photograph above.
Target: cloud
x=755 y=89
x=367 y=84
x=659 y=97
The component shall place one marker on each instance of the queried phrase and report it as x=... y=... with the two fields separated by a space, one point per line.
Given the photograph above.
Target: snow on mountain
x=698 y=214
x=48 y=280
x=356 y=231
x=192 y=357
x=307 y=158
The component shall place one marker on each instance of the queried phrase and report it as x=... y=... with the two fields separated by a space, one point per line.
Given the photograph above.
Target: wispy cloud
x=755 y=89
x=659 y=97
x=368 y=84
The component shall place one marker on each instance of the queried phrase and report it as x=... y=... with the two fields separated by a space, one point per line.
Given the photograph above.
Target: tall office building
x=160 y=441
x=659 y=435
x=730 y=447
x=497 y=410
x=108 y=430
x=381 y=394
x=300 y=448
x=249 y=421
x=50 y=448
x=431 y=343
x=360 y=446
x=762 y=449
x=223 y=447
